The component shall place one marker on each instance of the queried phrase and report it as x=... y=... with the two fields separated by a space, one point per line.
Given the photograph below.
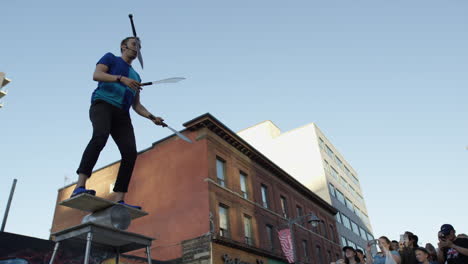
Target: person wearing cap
x=453 y=249
x=422 y=255
x=350 y=256
x=388 y=253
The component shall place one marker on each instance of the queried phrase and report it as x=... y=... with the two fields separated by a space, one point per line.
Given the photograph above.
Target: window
x=321 y=143
x=332 y=233
x=349 y=204
x=319 y=254
x=340 y=196
x=243 y=185
x=299 y=211
x=264 y=196
x=329 y=152
x=338 y=217
x=332 y=189
x=346 y=221
x=248 y=230
x=343 y=241
x=329 y=256
x=340 y=163
x=327 y=166
x=355 y=228
x=305 y=250
x=351 y=244
x=284 y=206
x=369 y=237
x=354 y=178
x=325 y=230
x=223 y=220
x=269 y=231
x=347 y=172
x=363 y=233
x=357 y=211
x=334 y=173
x=221 y=171
x=344 y=182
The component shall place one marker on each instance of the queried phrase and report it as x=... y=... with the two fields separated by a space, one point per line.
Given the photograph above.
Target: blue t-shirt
x=381 y=259
x=113 y=92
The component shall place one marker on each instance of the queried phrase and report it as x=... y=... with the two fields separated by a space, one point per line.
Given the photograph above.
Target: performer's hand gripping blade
x=177 y=133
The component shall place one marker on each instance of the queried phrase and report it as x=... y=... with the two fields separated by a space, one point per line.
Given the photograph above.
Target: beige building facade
x=307 y=155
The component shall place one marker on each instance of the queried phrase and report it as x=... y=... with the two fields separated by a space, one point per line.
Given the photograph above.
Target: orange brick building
x=214 y=201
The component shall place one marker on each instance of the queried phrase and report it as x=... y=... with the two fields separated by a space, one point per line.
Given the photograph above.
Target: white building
x=307 y=155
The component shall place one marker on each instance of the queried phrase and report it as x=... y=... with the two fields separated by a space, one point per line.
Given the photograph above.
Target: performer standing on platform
x=118 y=90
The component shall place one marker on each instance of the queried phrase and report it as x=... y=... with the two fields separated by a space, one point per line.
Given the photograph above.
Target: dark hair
x=356 y=258
x=415 y=241
x=423 y=250
x=432 y=252
x=394 y=241
x=124 y=42
x=412 y=238
x=388 y=242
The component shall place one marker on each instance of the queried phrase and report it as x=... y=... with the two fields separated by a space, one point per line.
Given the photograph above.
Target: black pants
x=110 y=120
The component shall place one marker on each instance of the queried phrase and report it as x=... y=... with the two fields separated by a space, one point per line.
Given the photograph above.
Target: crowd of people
x=452 y=249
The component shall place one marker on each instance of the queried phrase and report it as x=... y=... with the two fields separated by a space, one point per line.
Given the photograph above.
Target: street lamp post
x=312 y=219
x=3 y=81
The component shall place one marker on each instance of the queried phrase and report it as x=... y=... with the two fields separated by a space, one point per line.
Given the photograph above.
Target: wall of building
x=325 y=236
x=302 y=154
x=227 y=255
x=295 y=151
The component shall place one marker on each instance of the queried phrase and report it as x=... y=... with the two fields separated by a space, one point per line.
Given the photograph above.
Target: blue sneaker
x=81 y=190
x=129 y=205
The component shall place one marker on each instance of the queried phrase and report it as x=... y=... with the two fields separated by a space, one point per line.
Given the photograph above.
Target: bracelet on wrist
x=152 y=117
x=119 y=78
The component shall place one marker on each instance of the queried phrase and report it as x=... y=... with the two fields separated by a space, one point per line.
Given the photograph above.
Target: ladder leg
x=117 y=256
x=89 y=237
x=148 y=254
x=54 y=252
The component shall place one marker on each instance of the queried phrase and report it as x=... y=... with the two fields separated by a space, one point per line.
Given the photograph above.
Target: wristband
x=152 y=117
x=119 y=77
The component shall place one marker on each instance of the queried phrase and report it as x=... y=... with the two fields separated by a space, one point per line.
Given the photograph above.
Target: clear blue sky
x=384 y=80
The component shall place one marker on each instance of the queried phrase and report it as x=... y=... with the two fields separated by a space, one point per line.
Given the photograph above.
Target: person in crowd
x=422 y=255
x=395 y=245
x=387 y=252
x=361 y=256
x=453 y=249
x=432 y=253
x=407 y=252
x=350 y=256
